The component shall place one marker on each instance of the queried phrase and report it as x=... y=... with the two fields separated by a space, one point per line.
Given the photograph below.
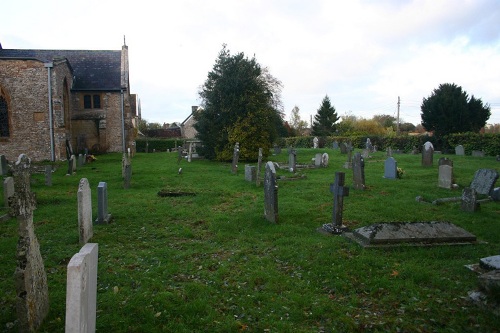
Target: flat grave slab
x=492 y=262
x=410 y=233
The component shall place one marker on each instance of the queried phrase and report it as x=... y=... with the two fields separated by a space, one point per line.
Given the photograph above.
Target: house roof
x=93 y=69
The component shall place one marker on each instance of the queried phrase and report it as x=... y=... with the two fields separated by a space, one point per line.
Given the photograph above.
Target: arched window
x=4 y=117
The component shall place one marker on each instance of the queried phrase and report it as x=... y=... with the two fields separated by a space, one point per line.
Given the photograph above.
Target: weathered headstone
x=270 y=194
x=427 y=154
x=445 y=161
x=445 y=176
x=259 y=167
x=477 y=153
x=325 y=158
x=236 y=154
x=80 y=160
x=366 y=153
x=48 y=175
x=459 y=150
x=315 y=142
x=31 y=280
x=103 y=217
x=69 y=149
x=339 y=191
x=484 y=181
x=81 y=290
x=335 y=145
x=368 y=145
x=389 y=152
x=358 y=172
x=4 y=166
x=73 y=163
x=70 y=165
x=250 y=173
x=292 y=160
x=190 y=151
x=317 y=160
x=8 y=190
x=179 y=154
x=469 y=200
x=390 y=168
x=348 y=163
x=84 y=199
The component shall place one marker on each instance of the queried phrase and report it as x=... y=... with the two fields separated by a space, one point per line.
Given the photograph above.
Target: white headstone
x=84 y=211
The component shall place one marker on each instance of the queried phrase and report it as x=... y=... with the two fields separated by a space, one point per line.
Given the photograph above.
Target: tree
x=385 y=120
x=325 y=119
x=296 y=124
x=450 y=110
x=241 y=103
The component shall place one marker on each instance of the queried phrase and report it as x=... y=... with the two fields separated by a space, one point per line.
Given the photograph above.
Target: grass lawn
x=212 y=263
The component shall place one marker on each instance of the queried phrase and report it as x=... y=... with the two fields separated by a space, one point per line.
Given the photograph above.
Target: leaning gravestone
x=445 y=176
x=390 y=168
x=484 y=181
x=358 y=172
x=270 y=194
x=81 y=290
x=4 y=166
x=459 y=150
x=103 y=217
x=31 y=279
x=427 y=154
x=84 y=198
x=236 y=154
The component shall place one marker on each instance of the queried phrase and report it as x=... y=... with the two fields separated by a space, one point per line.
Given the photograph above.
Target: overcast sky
x=363 y=54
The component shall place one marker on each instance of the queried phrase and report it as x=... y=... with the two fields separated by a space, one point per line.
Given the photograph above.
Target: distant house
x=187 y=126
x=49 y=98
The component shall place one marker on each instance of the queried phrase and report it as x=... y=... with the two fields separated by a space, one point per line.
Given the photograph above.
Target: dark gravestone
x=390 y=168
x=69 y=149
x=358 y=172
x=103 y=217
x=236 y=154
x=259 y=167
x=292 y=160
x=31 y=279
x=484 y=181
x=427 y=154
x=469 y=200
x=411 y=233
x=339 y=191
x=8 y=190
x=48 y=175
x=343 y=148
x=270 y=194
x=4 y=166
x=70 y=165
x=128 y=176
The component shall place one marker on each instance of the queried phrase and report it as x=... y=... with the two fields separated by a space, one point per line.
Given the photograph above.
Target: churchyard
x=188 y=248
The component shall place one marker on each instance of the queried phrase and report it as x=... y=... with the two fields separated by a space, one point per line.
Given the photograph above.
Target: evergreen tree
x=450 y=110
x=325 y=119
x=241 y=103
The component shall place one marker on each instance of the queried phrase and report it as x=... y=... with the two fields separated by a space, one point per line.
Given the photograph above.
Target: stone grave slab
x=484 y=181
x=492 y=262
x=411 y=233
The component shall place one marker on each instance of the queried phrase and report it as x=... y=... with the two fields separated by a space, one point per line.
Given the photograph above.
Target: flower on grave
x=91 y=158
x=400 y=172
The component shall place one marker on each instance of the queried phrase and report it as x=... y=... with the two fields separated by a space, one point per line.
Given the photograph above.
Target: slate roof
x=93 y=69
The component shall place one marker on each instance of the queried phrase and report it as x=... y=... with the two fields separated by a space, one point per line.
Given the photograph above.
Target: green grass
x=212 y=263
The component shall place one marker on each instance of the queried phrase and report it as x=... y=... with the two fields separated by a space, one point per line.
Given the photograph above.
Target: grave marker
x=315 y=142
x=292 y=160
x=103 y=217
x=325 y=158
x=317 y=160
x=445 y=176
x=81 y=290
x=478 y=153
x=427 y=154
x=84 y=199
x=128 y=176
x=358 y=172
x=390 y=168
x=48 y=175
x=8 y=190
x=459 y=150
x=31 y=279
x=469 y=200
x=270 y=194
x=4 y=166
x=236 y=154
x=348 y=163
x=335 y=145
x=250 y=173
x=484 y=181
x=339 y=191
x=445 y=161
x=259 y=167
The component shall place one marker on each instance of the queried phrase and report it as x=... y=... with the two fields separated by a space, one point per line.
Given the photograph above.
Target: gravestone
x=236 y=154
x=69 y=149
x=445 y=161
x=427 y=154
x=366 y=153
x=484 y=181
x=31 y=280
x=478 y=153
x=343 y=148
x=179 y=154
x=81 y=290
x=317 y=160
x=8 y=190
x=315 y=142
x=103 y=217
x=445 y=176
x=250 y=173
x=368 y=145
x=358 y=172
x=348 y=163
x=469 y=200
x=459 y=150
x=48 y=175
x=73 y=164
x=70 y=166
x=270 y=193
x=389 y=152
x=4 y=166
x=80 y=160
x=277 y=150
x=335 y=145
x=390 y=168
x=339 y=191
x=259 y=167
x=292 y=160
x=325 y=158
x=84 y=199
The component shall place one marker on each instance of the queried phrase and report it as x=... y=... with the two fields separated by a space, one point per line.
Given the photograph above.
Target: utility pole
x=397 y=121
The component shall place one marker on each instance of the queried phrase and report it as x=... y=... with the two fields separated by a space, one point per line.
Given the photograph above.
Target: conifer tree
x=325 y=119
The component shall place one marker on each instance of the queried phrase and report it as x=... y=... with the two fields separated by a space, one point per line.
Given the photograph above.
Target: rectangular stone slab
x=411 y=233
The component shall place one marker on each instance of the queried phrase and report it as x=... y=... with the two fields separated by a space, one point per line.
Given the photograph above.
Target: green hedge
x=150 y=145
